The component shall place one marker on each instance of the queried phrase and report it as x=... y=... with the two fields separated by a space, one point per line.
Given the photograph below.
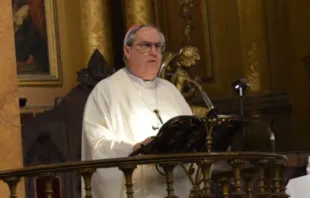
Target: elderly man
x=125 y=110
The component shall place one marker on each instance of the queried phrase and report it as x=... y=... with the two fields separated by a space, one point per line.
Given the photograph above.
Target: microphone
x=205 y=97
x=240 y=86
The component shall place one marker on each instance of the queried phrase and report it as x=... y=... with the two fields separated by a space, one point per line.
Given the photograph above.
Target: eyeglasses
x=147 y=46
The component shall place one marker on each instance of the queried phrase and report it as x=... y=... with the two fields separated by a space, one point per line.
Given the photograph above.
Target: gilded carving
x=138 y=12
x=186 y=19
x=180 y=64
x=253 y=74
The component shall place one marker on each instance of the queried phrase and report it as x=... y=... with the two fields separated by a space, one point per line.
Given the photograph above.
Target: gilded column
x=138 y=11
x=11 y=156
x=254 y=46
x=97 y=29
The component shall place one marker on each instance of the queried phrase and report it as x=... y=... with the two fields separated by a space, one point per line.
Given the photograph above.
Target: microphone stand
x=211 y=109
x=211 y=118
x=205 y=97
x=240 y=87
x=241 y=94
x=241 y=102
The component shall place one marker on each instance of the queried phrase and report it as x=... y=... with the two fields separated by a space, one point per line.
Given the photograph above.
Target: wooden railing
x=247 y=168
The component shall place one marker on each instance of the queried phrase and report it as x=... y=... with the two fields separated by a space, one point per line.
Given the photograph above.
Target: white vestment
x=118 y=114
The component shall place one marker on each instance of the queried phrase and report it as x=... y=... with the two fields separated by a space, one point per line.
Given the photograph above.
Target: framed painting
x=36 y=42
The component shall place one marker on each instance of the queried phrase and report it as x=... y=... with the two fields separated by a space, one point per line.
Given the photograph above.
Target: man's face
x=144 y=56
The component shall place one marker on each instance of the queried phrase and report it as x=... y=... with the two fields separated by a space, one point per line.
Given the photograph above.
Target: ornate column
x=10 y=141
x=97 y=29
x=138 y=11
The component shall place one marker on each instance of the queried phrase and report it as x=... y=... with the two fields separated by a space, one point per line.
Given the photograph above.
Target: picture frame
x=36 y=42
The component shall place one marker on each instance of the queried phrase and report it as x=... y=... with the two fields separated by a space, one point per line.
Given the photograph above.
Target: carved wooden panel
x=278 y=40
x=299 y=31
x=307 y=69
x=208 y=35
x=266 y=114
x=168 y=17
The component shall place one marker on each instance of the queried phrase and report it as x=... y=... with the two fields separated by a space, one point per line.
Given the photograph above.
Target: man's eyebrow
x=149 y=42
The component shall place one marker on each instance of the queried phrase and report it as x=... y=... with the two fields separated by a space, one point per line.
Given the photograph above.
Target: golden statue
x=175 y=68
x=180 y=63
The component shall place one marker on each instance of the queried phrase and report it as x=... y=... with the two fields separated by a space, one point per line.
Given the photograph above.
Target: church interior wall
x=262 y=41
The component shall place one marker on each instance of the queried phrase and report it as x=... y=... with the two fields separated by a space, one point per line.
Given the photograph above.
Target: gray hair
x=131 y=34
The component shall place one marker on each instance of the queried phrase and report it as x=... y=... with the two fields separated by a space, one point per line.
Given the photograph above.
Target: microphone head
x=240 y=84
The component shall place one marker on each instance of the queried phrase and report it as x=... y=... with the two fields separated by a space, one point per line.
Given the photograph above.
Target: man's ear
x=126 y=50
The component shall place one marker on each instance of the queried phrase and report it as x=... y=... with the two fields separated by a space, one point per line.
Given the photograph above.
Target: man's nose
x=153 y=51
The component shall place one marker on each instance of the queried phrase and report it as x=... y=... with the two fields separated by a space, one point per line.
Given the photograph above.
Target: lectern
x=193 y=137
x=185 y=134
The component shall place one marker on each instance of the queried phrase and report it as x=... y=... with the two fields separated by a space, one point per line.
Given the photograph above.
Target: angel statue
x=175 y=68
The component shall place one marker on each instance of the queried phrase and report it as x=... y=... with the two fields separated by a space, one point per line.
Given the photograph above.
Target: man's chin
x=150 y=75
x=150 y=78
